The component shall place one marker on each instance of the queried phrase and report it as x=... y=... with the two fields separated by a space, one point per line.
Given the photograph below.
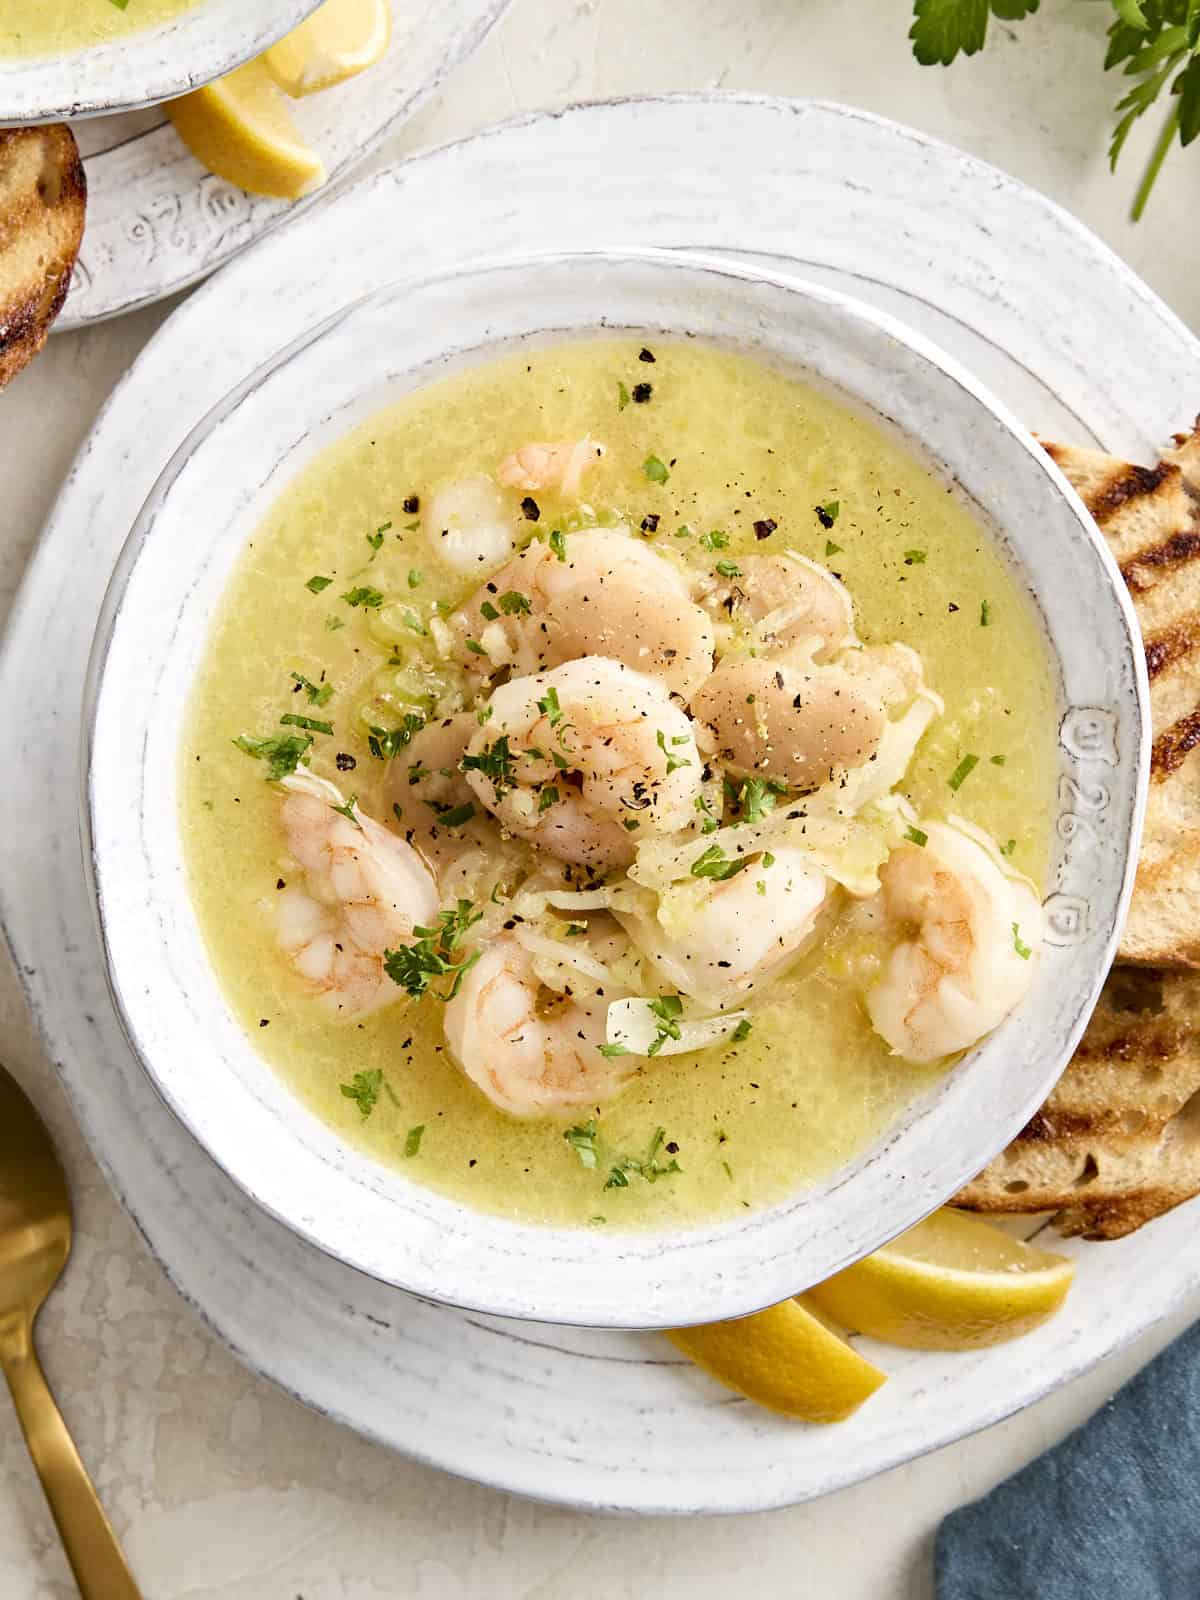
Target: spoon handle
x=91 y=1546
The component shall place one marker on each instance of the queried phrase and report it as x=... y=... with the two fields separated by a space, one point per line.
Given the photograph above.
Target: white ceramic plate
x=152 y=640
x=157 y=220
x=202 y=43
x=993 y=272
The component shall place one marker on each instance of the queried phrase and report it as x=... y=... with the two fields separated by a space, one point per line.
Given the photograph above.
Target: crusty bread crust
x=1150 y=517
x=1118 y=1141
x=43 y=198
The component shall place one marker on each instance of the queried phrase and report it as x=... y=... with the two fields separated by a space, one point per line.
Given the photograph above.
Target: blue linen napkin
x=1111 y=1513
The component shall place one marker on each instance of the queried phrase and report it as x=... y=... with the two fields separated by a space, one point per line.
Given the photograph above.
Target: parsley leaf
x=1022 y=949
x=582 y=1140
x=313 y=724
x=495 y=761
x=622 y=397
x=714 y=863
x=943 y=28
x=757 y=797
x=549 y=707
x=915 y=836
x=385 y=743
x=673 y=762
x=655 y=469
x=283 y=752
x=364 y=1090
x=668 y=1008
x=729 y=569
x=317 y=694
x=715 y=540
x=962 y=771
x=363 y=595
x=412 y=1141
x=742 y=1031
x=513 y=603
x=431 y=954
x=317 y=583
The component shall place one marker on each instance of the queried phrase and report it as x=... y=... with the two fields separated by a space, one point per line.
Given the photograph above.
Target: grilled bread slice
x=1118 y=1141
x=1150 y=517
x=43 y=196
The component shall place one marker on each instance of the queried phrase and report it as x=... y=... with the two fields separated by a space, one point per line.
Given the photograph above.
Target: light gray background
x=219 y=1485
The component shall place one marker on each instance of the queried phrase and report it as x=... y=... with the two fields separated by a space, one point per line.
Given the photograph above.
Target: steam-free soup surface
x=812 y=1085
x=45 y=27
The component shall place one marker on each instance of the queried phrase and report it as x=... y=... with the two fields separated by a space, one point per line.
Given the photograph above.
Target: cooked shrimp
x=716 y=940
x=611 y=596
x=364 y=891
x=550 y=466
x=972 y=929
x=778 y=720
x=791 y=601
x=531 y=1050
x=470 y=525
x=586 y=759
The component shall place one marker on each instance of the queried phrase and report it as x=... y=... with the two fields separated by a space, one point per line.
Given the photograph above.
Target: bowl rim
x=143 y=68
x=702 y=1304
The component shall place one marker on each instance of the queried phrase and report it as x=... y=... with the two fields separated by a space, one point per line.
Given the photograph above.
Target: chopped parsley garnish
x=385 y=743
x=317 y=583
x=1022 y=949
x=915 y=836
x=375 y=540
x=513 y=603
x=332 y=624
x=757 y=797
x=556 y=538
x=495 y=761
x=363 y=595
x=832 y=549
x=413 y=621
x=715 y=540
x=412 y=1141
x=548 y=797
x=710 y=824
x=484 y=714
x=768 y=859
x=655 y=469
x=714 y=863
x=489 y=611
x=582 y=1140
x=415 y=577
x=827 y=514
x=317 y=694
x=622 y=397
x=282 y=751
x=668 y=1009
x=613 y=1050
x=549 y=707
x=313 y=724
x=914 y=558
x=457 y=816
x=962 y=771
x=475 y=647
x=985 y=613
x=648 y=1166
x=742 y=1031
x=673 y=762
x=364 y=1089
x=999 y=761
x=1007 y=849
x=729 y=569
x=347 y=811
x=431 y=955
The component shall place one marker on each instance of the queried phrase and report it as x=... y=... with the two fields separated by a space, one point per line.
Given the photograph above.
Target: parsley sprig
x=1155 y=42
x=434 y=953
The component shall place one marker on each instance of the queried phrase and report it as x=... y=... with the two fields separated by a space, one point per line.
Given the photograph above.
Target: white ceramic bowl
x=139 y=70
x=153 y=632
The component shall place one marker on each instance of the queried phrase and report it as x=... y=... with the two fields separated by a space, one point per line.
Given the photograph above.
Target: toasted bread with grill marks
x=1118 y=1141
x=1150 y=517
x=43 y=197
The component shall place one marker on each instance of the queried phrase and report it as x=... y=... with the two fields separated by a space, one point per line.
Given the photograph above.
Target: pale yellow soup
x=812 y=1085
x=45 y=27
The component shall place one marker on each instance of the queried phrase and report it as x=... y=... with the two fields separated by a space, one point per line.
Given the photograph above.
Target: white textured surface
x=225 y=1488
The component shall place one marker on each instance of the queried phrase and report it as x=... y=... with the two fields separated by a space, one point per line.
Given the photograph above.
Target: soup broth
x=49 y=27
x=711 y=457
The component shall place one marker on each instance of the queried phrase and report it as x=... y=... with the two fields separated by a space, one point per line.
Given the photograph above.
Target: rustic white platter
x=158 y=221
x=1005 y=281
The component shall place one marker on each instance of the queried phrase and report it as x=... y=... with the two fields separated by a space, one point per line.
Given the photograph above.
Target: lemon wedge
x=786 y=1359
x=950 y=1283
x=240 y=128
x=339 y=40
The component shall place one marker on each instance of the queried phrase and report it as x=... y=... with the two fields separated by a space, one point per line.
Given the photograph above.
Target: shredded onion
x=632 y=1024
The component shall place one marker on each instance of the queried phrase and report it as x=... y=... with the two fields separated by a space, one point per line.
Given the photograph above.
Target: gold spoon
x=35 y=1240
